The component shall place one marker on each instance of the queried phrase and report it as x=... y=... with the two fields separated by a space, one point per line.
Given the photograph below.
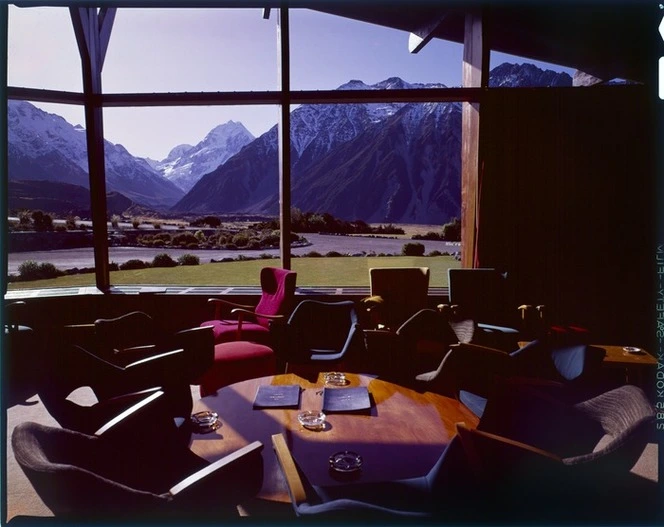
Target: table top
x=402 y=435
x=619 y=356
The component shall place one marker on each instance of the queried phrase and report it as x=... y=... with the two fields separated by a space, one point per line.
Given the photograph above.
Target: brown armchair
x=103 y=476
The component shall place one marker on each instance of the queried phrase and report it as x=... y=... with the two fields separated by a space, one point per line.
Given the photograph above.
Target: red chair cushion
x=226 y=331
x=237 y=361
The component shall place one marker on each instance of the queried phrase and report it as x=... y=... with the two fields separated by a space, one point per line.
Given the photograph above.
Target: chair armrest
x=128 y=416
x=126 y=356
x=254 y=314
x=294 y=482
x=219 y=303
x=153 y=359
x=466 y=347
x=240 y=474
x=241 y=312
x=491 y=456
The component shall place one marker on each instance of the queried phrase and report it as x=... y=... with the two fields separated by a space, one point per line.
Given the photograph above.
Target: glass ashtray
x=335 y=378
x=205 y=422
x=346 y=461
x=632 y=350
x=312 y=419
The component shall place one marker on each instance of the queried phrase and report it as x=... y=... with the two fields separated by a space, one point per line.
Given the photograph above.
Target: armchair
x=403 y=291
x=91 y=477
x=320 y=334
x=470 y=372
x=483 y=295
x=21 y=357
x=252 y=323
x=115 y=387
x=445 y=492
x=568 y=459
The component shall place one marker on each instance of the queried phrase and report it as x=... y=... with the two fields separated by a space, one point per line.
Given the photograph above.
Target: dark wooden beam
x=87 y=30
x=4 y=168
x=474 y=75
x=51 y=96
x=283 y=35
x=106 y=19
x=118 y=100
x=421 y=37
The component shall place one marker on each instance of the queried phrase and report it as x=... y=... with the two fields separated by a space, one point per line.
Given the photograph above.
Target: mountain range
x=378 y=162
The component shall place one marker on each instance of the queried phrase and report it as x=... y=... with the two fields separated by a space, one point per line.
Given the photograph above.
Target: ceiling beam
x=106 y=19
x=421 y=37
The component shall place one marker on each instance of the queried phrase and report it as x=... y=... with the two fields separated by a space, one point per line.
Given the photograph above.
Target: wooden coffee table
x=636 y=366
x=402 y=435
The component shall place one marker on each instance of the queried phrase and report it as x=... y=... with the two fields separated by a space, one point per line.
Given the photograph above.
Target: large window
x=201 y=50
x=193 y=190
x=41 y=49
x=328 y=52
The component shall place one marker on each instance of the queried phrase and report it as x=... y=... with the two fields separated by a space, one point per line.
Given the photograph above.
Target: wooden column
x=4 y=172
x=92 y=29
x=283 y=36
x=474 y=75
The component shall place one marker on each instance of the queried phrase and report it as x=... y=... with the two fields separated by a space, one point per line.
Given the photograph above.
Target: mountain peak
x=526 y=76
x=393 y=83
x=354 y=84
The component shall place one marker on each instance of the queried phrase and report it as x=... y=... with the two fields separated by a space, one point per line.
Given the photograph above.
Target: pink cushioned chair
x=252 y=323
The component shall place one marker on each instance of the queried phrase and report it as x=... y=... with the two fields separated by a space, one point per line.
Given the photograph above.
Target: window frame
x=93 y=99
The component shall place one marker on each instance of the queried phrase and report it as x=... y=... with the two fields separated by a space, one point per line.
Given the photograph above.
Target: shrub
x=435 y=253
x=312 y=254
x=113 y=266
x=240 y=239
x=184 y=238
x=156 y=225
x=189 y=259
x=133 y=264
x=135 y=223
x=70 y=223
x=333 y=254
x=413 y=249
x=452 y=230
x=42 y=222
x=48 y=270
x=163 y=260
x=115 y=221
x=31 y=270
x=60 y=228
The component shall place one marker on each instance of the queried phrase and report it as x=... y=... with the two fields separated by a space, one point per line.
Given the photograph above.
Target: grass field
x=343 y=271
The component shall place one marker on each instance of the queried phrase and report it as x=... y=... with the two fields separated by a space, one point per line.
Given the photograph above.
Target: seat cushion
x=237 y=361
x=226 y=331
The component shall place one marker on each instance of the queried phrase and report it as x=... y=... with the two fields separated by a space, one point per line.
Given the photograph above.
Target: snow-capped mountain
x=526 y=76
x=185 y=164
x=376 y=162
x=44 y=146
x=379 y=162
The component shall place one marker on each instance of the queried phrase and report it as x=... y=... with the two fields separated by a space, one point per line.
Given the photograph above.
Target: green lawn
x=342 y=271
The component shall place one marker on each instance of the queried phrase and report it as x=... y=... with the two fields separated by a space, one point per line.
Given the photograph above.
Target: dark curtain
x=567 y=204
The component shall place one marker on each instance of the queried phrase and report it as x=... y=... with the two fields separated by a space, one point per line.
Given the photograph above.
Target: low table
x=402 y=435
x=635 y=365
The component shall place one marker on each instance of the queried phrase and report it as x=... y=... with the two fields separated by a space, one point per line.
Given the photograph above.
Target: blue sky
x=214 y=50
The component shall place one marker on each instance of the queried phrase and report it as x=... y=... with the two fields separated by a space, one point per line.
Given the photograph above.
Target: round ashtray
x=335 y=378
x=632 y=350
x=205 y=422
x=312 y=419
x=346 y=461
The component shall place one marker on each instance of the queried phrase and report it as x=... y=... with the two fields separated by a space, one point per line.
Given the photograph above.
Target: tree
x=452 y=231
x=42 y=222
x=413 y=249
